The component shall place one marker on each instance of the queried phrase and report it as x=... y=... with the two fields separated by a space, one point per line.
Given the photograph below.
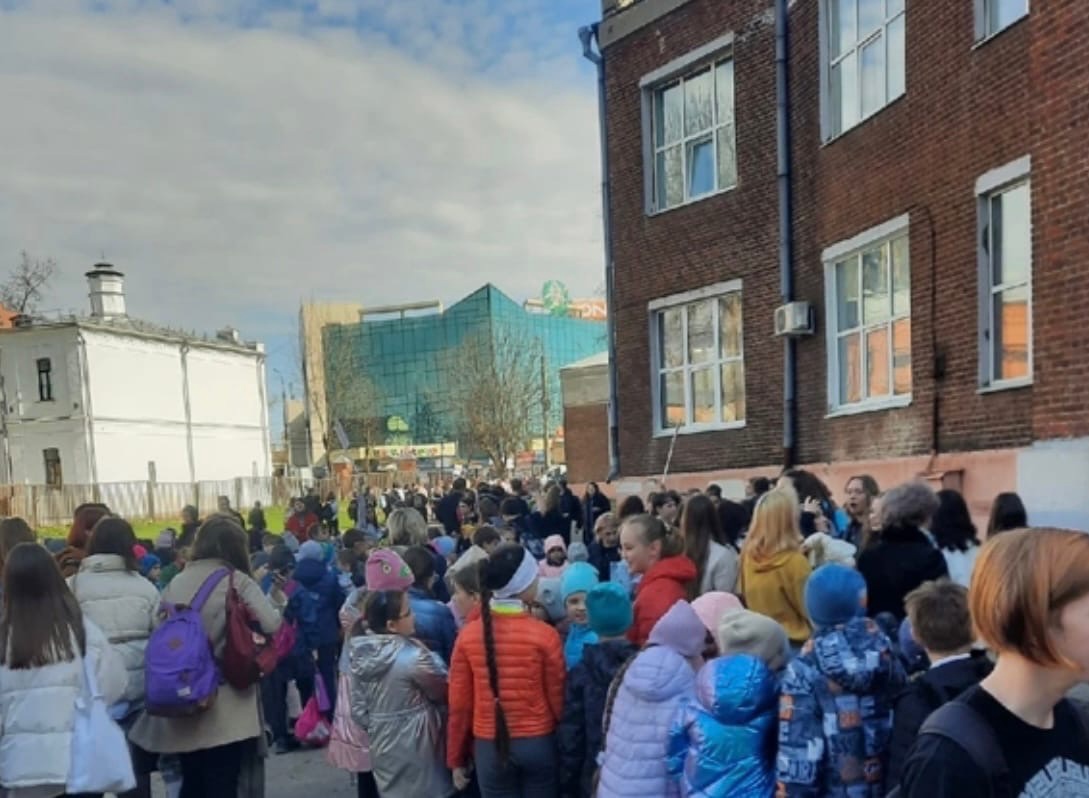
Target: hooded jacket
x=722 y=744
x=662 y=586
x=902 y=560
x=398 y=695
x=583 y=708
x=435 y=625
x=775 y=587
x=835 y=713
x=655 y=685
x=315 y=605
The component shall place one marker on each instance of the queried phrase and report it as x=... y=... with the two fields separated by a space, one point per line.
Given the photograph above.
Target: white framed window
x=1004 y=199
x=689 y=127
x=698 y=361
x=994 y=16
x=868 y=291
x=864 y=60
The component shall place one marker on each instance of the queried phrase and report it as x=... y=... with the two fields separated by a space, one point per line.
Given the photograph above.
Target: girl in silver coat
x=399 y=699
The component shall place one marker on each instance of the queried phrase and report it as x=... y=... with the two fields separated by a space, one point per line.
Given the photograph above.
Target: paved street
x=296 y=774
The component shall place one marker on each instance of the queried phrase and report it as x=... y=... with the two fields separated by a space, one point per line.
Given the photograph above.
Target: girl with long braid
x=506 y=686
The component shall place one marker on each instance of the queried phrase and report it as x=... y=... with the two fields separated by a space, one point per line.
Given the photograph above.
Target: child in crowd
x=349 y=749
x=172 y=569
x=608 y=608
x=712 y=608
x=641 y=705
x=485 y=541
x=656 y=553
x=555 y=561
x=434 y=625
x=347 y=565
x=445 y=546
x=835 y=711
x=577 y=552
x=722 y=743
x=151 y=568
x=465 y=598
x=575 y=583
x=314 y=609
x=605 y=548
x=942 y=625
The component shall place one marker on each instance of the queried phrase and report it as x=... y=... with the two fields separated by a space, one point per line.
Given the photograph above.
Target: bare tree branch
x=351 y=397
x=24 y=286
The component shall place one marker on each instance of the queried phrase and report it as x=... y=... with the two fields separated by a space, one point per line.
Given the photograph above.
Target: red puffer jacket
x=529 y=657
x=662 y=586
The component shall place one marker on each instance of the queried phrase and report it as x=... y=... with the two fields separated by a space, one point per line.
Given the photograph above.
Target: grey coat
x=399 y=699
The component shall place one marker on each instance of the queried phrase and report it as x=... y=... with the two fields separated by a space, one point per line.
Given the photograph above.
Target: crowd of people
x=486 y=642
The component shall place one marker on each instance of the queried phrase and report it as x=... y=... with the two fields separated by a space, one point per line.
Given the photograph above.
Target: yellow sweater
x=776 y=587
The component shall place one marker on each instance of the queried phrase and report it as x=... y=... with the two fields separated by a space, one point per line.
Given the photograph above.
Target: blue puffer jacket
x=435 y=626
x=722 y=744
x=314 y=606
x=835 y=713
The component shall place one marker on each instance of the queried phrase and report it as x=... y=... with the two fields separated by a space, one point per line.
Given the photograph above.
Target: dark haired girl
x=1007 y=513
x=506 y=686
x=955 y=535
x=716 y=564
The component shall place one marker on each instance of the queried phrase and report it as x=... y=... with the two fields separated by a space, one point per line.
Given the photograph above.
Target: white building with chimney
x=108 y=398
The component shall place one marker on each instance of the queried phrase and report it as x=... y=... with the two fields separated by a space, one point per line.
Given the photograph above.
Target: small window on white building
x=698 y=356
x=53 y=476
x=865 y=66
x=994 y=16
x=45 y=380
x=1005 y=247
x=869 y=319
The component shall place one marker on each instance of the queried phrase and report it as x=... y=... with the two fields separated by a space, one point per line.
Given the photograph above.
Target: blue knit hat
x=578 y=578
x=609 y=608
x=834 y=594
x=147 y=562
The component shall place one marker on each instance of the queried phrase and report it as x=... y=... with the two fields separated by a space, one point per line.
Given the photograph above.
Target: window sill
x=990 y=37
x=688 y=203
x=1005 y=385
x=833 y=139
x=695 y=429
x=870 y=407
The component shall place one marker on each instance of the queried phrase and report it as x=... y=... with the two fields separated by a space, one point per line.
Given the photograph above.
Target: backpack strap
x=197 y=604
x=961 y=723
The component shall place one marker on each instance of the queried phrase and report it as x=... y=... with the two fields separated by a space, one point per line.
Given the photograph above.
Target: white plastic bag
x=100 y=754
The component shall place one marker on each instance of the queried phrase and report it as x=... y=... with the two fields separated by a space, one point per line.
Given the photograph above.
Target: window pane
x=895 y=60
x=875 y=285
x=729 y=320
x=701 y=167
x=901 y=356
x=733 y=392
x=670 y=178
x=841 y=26
x=670 y=338
x=1006 y=12
x=901 y=277
x=873 y=76
x=844 y=87
x=1011 y=333
x=698 y=111
x=850 y=369
x=847 y=316
x=1011 y=217
x=871 y=16
x=672 y=399
x=877 y=362
x=668 y=110
x=701 y=331
x=727 y=157
x=895 y=7
x=703 y=396
x=724 y=92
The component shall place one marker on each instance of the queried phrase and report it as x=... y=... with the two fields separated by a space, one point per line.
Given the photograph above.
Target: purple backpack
x=180 y=670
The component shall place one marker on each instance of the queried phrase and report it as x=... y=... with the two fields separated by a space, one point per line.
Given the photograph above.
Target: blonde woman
x=773 y=568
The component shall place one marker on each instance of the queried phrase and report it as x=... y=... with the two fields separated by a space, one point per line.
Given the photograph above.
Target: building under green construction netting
x=394 y=380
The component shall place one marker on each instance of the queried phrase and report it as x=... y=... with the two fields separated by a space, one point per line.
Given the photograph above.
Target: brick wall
x=967 y=110
x=586 y=443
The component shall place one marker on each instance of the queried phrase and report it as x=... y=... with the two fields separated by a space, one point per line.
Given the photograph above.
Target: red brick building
x=941 y=234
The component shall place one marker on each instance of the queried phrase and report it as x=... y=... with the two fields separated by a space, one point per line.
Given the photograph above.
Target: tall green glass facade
x=409 y=362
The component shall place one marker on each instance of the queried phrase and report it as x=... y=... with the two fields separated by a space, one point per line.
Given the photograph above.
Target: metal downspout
x=786 y=225
x=88 y=412
x=588 y=35
x=188 y=418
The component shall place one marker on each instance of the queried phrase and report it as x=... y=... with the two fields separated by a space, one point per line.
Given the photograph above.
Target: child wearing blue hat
x=575 y=583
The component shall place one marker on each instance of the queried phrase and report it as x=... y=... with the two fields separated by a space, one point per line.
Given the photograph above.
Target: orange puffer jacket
x=529 y=657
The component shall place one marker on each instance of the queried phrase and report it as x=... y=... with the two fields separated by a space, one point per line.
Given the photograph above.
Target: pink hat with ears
x=139 y=551
x=713 y=606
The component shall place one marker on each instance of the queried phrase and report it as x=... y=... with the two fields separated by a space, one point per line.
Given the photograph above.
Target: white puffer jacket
x=38 y=707
x=123 y=605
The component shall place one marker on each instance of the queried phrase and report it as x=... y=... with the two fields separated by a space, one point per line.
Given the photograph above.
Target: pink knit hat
x=554 y=542
x=387 y=571
x=713 y=606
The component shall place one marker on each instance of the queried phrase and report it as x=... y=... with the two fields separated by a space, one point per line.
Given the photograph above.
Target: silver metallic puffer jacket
x=399 y=699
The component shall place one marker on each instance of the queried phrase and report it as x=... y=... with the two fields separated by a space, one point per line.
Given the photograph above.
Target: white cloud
x=233 y=171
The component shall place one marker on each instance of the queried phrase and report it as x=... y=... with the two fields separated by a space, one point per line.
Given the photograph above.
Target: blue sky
x=235 y=158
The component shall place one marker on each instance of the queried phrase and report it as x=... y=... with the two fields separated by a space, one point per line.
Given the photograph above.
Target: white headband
x=522 y=579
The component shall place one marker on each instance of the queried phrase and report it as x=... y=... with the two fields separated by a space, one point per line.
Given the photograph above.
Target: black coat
x=583 y=711
x=602 y=558
x=593 y=507
x=571 y=508
x=446 y=511
x=541 y=525
x=921 y=697
x=902 y=560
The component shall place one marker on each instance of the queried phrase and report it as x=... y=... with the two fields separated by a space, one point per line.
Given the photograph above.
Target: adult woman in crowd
x=1007 y=512
x=716 y=564
x=549 y=519
x=407 y=527
x=214 y=744
x=906 y=555
x=123 y=604
x=632 y=505
x=594 y=505
x=955 y=535
x=13 y=531
x=818 y=511
x=733 y=520
x=656 y=551
x=859 y=493
x=1029 y=603
x=83 y=521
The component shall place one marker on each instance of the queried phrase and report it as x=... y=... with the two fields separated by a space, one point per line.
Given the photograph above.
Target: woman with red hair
x=79 y=535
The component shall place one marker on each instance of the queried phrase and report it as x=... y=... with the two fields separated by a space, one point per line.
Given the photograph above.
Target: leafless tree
x=25 y=283
x=351 y=398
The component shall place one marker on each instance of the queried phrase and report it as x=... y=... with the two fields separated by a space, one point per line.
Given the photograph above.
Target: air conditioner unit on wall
x=794 y=319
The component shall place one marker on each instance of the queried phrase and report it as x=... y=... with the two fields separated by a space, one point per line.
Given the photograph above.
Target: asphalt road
x=296 y=774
